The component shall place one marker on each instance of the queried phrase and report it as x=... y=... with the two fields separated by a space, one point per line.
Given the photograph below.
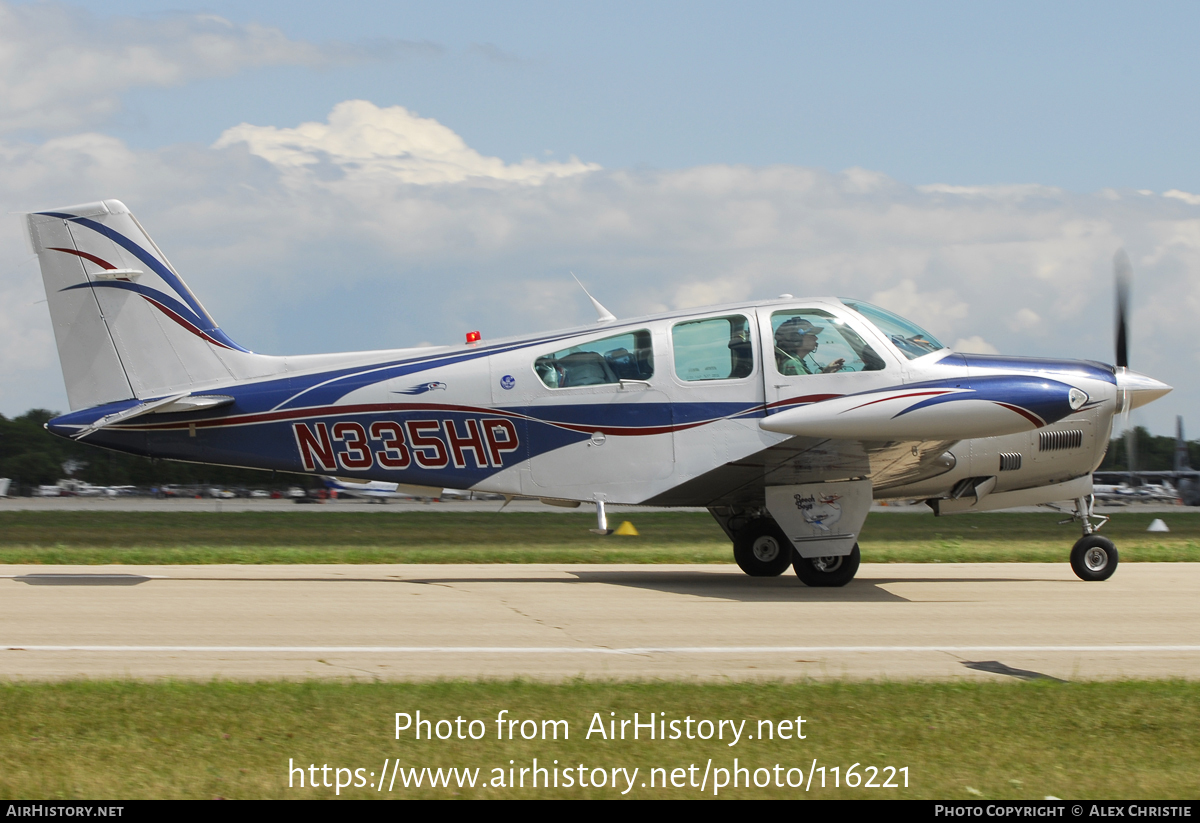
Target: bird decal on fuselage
x=421 y=389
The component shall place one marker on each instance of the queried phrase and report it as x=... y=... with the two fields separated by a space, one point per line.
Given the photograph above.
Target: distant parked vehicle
x=175 y=492
x=4 y=484
x=259 y=493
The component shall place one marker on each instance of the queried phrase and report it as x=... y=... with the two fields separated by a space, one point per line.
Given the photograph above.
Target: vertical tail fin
x=1182 y=460
x=126 y=324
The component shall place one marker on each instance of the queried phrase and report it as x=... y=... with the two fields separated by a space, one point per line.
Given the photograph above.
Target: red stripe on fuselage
x=806 y=399
x=377 y=408
x=900 y=397
x=1028 y=415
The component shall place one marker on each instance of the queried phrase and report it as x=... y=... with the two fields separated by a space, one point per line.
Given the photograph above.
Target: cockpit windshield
x=910 y=339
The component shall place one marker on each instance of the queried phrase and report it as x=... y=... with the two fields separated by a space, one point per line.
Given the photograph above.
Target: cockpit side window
x=716 y=348
x=810 y=341
x=908 y=337
x=627 y=356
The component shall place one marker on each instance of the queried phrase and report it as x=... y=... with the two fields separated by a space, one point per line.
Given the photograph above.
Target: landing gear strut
x=1092 y=557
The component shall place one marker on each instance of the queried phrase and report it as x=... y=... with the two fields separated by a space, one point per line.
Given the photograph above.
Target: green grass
x=483 y=537
x=96 y=739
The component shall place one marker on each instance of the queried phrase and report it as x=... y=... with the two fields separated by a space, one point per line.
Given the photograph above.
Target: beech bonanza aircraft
x=784 y=418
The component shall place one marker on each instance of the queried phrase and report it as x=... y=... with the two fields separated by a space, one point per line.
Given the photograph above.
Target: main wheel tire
x=1094 y=558
x=761 y=549
x=826 y=571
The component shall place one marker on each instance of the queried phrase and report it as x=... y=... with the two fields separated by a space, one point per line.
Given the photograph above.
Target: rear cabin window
x=627 y=356
x=717 y=348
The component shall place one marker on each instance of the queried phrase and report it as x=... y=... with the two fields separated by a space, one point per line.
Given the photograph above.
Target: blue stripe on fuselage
x=1046 y=398
x=1034 y=365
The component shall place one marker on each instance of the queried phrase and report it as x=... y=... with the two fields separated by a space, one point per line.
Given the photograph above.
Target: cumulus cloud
x=1187 y=197
x=1026 y=319
x=368 y=144
x=380 y=228
x=61 y=68
x=974 y=345
x=934 y=308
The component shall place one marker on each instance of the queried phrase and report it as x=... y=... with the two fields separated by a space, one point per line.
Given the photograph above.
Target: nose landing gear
x=1092 y=557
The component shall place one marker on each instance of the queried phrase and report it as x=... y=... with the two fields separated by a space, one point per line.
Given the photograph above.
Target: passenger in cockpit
x=796 y=339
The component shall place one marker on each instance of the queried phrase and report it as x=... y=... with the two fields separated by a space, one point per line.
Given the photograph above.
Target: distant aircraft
x=77 y=488
x=1183 y=479
x=381 y=491
x=784 y=418
x=1122 y=493
x=1187 y=479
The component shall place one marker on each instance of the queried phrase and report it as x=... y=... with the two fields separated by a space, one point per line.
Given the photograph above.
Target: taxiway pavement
x=552 y=622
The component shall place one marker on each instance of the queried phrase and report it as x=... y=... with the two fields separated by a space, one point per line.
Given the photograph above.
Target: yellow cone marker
x=626 y=528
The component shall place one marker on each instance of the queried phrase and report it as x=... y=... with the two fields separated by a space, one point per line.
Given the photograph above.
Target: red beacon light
x=473 y=337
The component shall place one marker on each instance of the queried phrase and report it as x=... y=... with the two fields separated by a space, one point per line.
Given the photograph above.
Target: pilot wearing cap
x=796 y=339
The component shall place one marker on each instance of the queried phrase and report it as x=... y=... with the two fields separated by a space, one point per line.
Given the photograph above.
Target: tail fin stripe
x=151 y=339
x=202 y=321
x=169 y=306
x=104 y=264
x=208 y=324
x=183 y=322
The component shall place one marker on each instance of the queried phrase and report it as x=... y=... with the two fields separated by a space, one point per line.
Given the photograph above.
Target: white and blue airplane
x=784 y=418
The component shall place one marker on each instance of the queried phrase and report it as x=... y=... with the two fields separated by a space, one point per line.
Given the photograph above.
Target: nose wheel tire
x=826 y=571
x=761 y=549
x=1094 y=558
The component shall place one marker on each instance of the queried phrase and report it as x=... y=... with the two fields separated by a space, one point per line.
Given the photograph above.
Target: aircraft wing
x=811 y=460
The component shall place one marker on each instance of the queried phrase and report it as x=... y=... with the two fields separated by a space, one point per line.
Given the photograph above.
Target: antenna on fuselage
x=603 y=315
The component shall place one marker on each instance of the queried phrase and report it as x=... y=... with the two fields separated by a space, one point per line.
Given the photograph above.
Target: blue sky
x=972 y=165
x=1084 y=95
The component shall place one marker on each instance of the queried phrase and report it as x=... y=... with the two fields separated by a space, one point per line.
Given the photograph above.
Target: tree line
x=1151 y=453
x=30 y=456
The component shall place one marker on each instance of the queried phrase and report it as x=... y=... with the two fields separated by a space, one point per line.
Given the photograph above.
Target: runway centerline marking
x=639 y=650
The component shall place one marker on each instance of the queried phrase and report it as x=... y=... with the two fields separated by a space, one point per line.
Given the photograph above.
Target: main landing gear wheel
x=826 y=571
x=761 y=549
x=1094 y=557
